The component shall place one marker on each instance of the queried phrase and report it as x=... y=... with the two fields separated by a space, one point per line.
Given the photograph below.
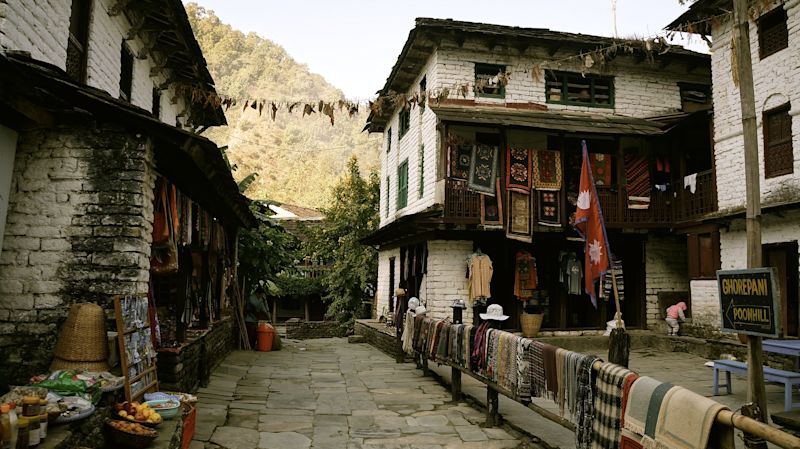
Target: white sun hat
x=421 y=310
x=494 y=312
x=413 y=303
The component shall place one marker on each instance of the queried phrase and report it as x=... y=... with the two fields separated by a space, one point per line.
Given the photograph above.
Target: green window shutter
x=421 y=170
x=389 y=140
x=388 y=188
x=402 y=185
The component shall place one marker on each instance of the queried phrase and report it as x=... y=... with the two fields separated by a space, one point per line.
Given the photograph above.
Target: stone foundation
x=189 y=367
x=304 y=330
x=379 y=335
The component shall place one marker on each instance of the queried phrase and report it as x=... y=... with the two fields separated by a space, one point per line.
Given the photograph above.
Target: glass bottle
x=23 y=436
x=34 y=436
x=5 y=423
x=12 y=418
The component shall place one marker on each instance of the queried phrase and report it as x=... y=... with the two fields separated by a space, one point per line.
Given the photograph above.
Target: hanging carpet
x=637 y=173
x=546 y=170
x=483 y=169
x=518 y=169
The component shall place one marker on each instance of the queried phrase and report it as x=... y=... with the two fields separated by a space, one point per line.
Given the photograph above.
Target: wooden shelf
x=136 y=329
x=123 y=357
x=142 y=374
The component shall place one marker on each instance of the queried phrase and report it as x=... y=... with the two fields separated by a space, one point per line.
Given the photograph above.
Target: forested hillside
x=298 y=158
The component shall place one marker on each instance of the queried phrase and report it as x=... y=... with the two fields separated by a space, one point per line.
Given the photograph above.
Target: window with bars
x=78 y=40
x=576 y=89
x=778 y=152
x=773 y=33
x=125 y=73
x=402 y=185
x=389 y=139
x=490 y=80
x=405 y=123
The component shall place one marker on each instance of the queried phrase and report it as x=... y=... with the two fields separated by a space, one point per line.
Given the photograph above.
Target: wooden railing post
x=492 y=407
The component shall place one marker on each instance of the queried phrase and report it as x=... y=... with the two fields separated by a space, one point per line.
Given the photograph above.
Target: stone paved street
x=331 y=394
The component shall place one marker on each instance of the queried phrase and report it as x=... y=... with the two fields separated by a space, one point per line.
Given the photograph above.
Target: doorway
x=783 y=256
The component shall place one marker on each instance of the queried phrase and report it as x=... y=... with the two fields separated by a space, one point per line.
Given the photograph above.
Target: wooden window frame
x=402 y=185
x=561 y=82
x=404 y=123
x=423 y=93
x=702 y=266
x=770 y=144
x=126 y=73
x=773 y=24
x=684 y=88
x=78 y=39
x=156 y=106
x=482 y=69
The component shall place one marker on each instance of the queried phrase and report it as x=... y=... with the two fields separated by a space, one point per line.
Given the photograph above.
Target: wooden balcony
x=462 y=206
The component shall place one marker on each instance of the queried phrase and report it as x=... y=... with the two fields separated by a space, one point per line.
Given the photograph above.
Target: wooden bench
x=788 y=378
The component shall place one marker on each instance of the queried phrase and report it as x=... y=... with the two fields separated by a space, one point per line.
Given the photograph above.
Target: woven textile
x=608 y=405
x=408 y=333
x=550 y=372
x=478 y=353
x=546 y=169
x=483 y=169
x=518 y=169
x=519 y=217
x=460 y=159
x=626 y=392
x=549 y=208
x=571 y=380
x=561 y=359
x=584 y=402
x=629 y=440
x=637 y=173
x=523 y=368
x=492 y=208
x=685 y=420
x=601 y=168
x=507 y=377
x=637 y=404
x=538 y=382
x=653 y=411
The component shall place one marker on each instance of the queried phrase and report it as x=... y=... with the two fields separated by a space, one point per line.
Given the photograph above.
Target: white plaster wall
x=36 y=26
x=666 y=270
x=446 y=280
x=776 y=81
x=382 y=295
x=8 y=149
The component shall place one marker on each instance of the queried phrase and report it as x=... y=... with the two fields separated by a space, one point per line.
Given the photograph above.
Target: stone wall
x=73 y=233
x=776 y=81
x=303 y=330
x=379 y=336
x=666 y=265
x=191 y=367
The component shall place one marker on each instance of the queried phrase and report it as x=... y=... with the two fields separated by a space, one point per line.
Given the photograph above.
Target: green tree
x=264 y=253
x=352 y=215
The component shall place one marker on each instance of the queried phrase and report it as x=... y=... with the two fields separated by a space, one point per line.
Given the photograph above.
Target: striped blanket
x=608 y=405
x=637 y=173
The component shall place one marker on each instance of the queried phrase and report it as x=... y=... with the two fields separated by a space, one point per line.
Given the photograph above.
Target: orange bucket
x=265 y=333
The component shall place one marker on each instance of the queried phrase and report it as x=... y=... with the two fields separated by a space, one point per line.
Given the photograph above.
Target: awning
x=576 y=122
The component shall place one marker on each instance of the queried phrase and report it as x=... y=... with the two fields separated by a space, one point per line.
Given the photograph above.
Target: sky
x=355 y=43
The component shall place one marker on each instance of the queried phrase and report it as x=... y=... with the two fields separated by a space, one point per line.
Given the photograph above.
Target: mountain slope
x=298 y=158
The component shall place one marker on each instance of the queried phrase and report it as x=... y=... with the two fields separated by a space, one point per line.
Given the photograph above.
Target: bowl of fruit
x=167 y=408
x=130 y=434
x=138 y=413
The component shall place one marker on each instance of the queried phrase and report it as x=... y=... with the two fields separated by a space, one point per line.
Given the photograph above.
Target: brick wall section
x=304 y=330
x=776 y=81
x=446 y=280
x=665 y=271
x=192 y=367
x=379 y=336
x=38 y=27
x=73 y=234
x=384 y=289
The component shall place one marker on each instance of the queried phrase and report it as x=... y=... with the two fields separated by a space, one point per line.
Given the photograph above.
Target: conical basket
x=83 y=335
x=79 y=366
x=531 y=323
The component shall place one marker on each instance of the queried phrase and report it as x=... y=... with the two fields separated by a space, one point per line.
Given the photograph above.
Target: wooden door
x=783 y=256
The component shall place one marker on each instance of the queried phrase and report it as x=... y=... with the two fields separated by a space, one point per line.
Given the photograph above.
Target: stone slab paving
x=328 y=394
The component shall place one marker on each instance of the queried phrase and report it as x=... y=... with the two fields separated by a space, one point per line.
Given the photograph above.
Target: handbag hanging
x=161 y=229
x=164 y=258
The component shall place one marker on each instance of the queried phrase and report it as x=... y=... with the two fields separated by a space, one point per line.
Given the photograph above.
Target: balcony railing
x=666 y=208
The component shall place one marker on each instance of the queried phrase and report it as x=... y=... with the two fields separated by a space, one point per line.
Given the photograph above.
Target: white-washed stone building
x=98 y=100
x=775 y=56
x=460 y=84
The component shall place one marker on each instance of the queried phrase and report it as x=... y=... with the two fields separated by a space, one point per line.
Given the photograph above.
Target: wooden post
x=619 y=342
x=741 y=35
x=492 y=407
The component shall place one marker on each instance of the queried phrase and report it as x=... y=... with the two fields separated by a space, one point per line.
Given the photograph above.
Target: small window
x=577 y=89
x=704 y=255
x=402 y=185
x=423 y=93
x=490 y=80
x=421 y=170
x=157 y=103
x=125 y=73
x=695 y=96
x=773 y=34
x=405 y=123
x=389 y=140
x=78 y=40
x=778 y=152
x=388 y=188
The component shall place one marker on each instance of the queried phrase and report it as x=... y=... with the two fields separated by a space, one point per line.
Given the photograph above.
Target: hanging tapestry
x=483 y=169
x=637 y=175
x=546 y=170
x=519 y=217
x=549 y=208
x=492 y=208
x=601 y=168
x=518 y=169
x=460 y=157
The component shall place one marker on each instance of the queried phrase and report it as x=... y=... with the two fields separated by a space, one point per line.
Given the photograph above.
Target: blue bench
x=788 y=378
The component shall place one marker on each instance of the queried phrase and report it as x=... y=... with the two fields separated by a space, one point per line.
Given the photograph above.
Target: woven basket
x=83 y=335
x=126 y=439
x=531 y=323
x=79 y=366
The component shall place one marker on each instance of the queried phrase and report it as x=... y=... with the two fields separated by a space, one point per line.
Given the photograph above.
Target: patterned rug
x=637 y=174
x=549 y=208
x=492 y=208
x=602 y=166
x=519 y=217
x=460 y=158
x=546 y=170
x=518 y=169
x=483 y=169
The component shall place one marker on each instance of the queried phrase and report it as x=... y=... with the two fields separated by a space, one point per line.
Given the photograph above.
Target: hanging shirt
x=525 y=277
x=574 y=274
x=480 y=277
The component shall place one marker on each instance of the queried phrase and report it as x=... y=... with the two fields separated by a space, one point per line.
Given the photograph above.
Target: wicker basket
x=83 y=336
x=531 y=323
x=126 y=439
x=59 y=363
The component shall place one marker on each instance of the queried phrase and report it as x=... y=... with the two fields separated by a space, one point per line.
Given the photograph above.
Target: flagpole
x=618 y=315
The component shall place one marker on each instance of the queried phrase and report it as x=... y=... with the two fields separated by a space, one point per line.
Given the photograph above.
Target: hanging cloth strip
x=608 y=405
x=538 y=381
x=584 y=402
